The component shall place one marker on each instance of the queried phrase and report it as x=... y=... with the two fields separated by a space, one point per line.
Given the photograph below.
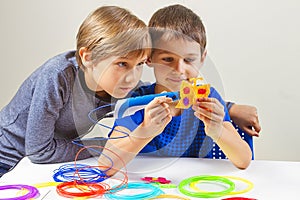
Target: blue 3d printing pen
x=129 y=106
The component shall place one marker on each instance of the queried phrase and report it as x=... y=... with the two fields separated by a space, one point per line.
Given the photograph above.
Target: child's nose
x=132 y=75
x=179 y=66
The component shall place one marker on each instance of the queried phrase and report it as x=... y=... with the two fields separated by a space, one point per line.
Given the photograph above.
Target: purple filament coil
x=32 y=191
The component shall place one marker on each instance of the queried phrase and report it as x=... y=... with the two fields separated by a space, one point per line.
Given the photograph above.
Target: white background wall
x=253 y=45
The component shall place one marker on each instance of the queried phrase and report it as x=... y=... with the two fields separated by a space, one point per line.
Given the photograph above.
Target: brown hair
x=177 y=21
x=113 y=31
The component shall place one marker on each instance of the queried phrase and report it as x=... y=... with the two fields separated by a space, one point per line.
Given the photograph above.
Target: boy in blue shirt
x=178 y=52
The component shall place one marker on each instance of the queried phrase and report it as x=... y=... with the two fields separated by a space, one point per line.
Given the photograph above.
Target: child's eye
x=122 y=64
x=168 y=59
x=140 y=65
x=188 y=60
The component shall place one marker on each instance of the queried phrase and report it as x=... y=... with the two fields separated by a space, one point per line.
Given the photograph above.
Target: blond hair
x=113 y=31
x=177 y=21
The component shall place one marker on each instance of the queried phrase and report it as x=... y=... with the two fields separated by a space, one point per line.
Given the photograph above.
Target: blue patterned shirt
x=184 y=136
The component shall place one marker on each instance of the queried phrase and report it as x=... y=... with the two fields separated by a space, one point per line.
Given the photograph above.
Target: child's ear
x=86 y=57
x=203 y=56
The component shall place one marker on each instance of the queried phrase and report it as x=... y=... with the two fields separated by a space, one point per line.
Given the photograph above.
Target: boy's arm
x=233 y=146
x=118 y=152
x=211 y=112
x=157 y=116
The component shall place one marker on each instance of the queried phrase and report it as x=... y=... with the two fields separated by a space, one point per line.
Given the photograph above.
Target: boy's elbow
x=245 y=159
x=36 y=159
x=244 y=164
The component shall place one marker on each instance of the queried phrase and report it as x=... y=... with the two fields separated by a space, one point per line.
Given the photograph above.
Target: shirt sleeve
x=48 y=98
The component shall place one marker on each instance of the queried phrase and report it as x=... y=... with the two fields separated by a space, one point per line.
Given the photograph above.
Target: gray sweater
x=49 y=110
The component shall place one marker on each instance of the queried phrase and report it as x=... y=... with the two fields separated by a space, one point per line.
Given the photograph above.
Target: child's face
x=175 y=60
x=117 y=76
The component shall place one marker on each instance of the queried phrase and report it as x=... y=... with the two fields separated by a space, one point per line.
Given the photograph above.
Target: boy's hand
x=246 y=118
x=211 y=112
x=157 y=116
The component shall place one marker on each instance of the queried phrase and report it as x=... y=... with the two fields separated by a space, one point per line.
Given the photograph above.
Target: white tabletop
x=271 y=179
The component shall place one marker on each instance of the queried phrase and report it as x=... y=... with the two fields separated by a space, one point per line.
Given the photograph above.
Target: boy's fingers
x=160 y=108
x=249 y=130
x=160 y=116
x=213 y=106
x=257 y=127
x=162 y=99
